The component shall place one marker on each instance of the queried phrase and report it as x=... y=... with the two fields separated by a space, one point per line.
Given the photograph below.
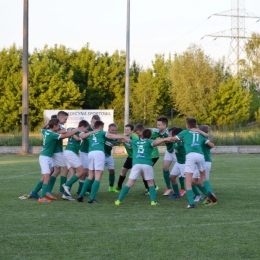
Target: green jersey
x=73 y=144
x=109 y=143
x=181 y=153
x=97 y=141
x=155 y=153
x=193 y=141
x=59 y=145
x=85 y=144
x=206 y=152
x=49 y=142
x=128 y=146
x=157 y=134
x=142 y=151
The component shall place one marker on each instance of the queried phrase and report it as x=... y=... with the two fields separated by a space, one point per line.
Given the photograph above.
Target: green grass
x=134 y=230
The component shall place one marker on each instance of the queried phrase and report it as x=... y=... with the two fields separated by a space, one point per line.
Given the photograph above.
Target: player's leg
x=84 y=160
x=166 y=176
x=110 y=165
x=127 y=165
x=149 y=176
x=175 y=172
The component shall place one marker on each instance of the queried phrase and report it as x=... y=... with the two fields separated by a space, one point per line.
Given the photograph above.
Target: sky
x=156 y=26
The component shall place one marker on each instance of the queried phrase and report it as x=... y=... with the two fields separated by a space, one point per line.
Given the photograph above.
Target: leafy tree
x=144 y=99
x=195 y=79
x=11 y=89
x=231 y=96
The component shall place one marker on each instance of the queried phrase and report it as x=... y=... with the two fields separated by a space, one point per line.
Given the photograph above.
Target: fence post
x=235 y=126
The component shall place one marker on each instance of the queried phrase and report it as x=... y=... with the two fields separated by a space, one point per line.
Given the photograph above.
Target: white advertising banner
x=106 y=115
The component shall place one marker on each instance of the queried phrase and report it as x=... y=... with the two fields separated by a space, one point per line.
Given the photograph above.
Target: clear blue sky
x=157 y=26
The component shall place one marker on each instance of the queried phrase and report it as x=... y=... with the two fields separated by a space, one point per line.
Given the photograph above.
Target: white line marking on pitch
x=18 y=176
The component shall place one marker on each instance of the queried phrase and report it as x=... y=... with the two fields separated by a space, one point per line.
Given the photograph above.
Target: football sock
x=81 y=182
x=111 y=178
x=63 y=180
x=123 y=192
x=166 y=176
x=176 y=189
x=190 y=197
x=207 y=186
x=182 y=182
x=202 y=189
x=91 y=183
x=72 y=180
x=86 y=187
x=94 y=189
x=51 y=183
x=120 y=181
x=44 y=190
x=37 y=187
x=195 y=190
x=152 y=193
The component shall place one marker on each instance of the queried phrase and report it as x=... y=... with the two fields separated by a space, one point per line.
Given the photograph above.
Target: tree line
x=188 y=84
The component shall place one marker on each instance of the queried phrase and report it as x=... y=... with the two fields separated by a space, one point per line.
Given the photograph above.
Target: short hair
x=62 y=113
x=130 y=126
x=54 y=116
x=147 y=133
x=163 y=119
x=138 y=127
x=98 y=123
x=83 y=123
x=53 y=122
x=191 y=122
x=96 y=117
x=204 y=128
x=175 y=130
x=112 y=125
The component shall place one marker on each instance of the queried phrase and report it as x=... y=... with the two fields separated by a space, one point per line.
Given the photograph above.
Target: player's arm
x=85 y=135
x=209 y=143
x=199 y=131
x=70 y=133
x=114 y=136
x=162 y=140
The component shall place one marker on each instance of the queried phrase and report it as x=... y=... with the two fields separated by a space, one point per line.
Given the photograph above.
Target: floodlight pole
x=127 y=80
x=25 y=103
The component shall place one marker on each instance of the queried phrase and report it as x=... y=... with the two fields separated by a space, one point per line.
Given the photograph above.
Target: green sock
x=44 y=190
x=38 y=187
x=176 y=189
x=195 y=190
x=182 y=182
x=111 y=179
x=86 y=186
x=51 y=183
x=81 y=182
x=73 y=179
x=166 y=176
x=202 y=189
x=63 y=180
x=123 y=192
x=207 y=186
x=152 y=192
x=190 y=197
x=94 y=189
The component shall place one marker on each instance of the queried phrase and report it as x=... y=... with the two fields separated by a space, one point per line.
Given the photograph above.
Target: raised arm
x=199 y=131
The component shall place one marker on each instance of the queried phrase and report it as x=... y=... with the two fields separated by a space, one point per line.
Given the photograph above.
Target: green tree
x=195 y=79
x=231 y=96
x=10 y=89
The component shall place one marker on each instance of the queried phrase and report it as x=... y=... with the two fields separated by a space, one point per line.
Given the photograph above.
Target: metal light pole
x=25 y=103
x=127 y=81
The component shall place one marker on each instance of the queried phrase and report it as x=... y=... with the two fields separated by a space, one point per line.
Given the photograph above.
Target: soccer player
x=178 y=169
x=138 y=129
x=83 y=153
x=109 y=161
x=72 y=159
x=142 y=163
x=96 y=160
x=193 y=142
x=129 y=128
x=50 y=137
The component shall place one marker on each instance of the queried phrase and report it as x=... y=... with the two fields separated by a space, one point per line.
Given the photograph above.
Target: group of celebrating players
x=89 y=150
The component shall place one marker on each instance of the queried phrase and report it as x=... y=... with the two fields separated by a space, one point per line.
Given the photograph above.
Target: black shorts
x=128 y=163
x=154 y=160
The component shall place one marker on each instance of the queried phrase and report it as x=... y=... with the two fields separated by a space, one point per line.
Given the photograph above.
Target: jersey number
x=195 y=137
x=140 y=149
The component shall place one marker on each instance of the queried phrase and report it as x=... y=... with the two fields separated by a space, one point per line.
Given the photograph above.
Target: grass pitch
x=134 y=230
